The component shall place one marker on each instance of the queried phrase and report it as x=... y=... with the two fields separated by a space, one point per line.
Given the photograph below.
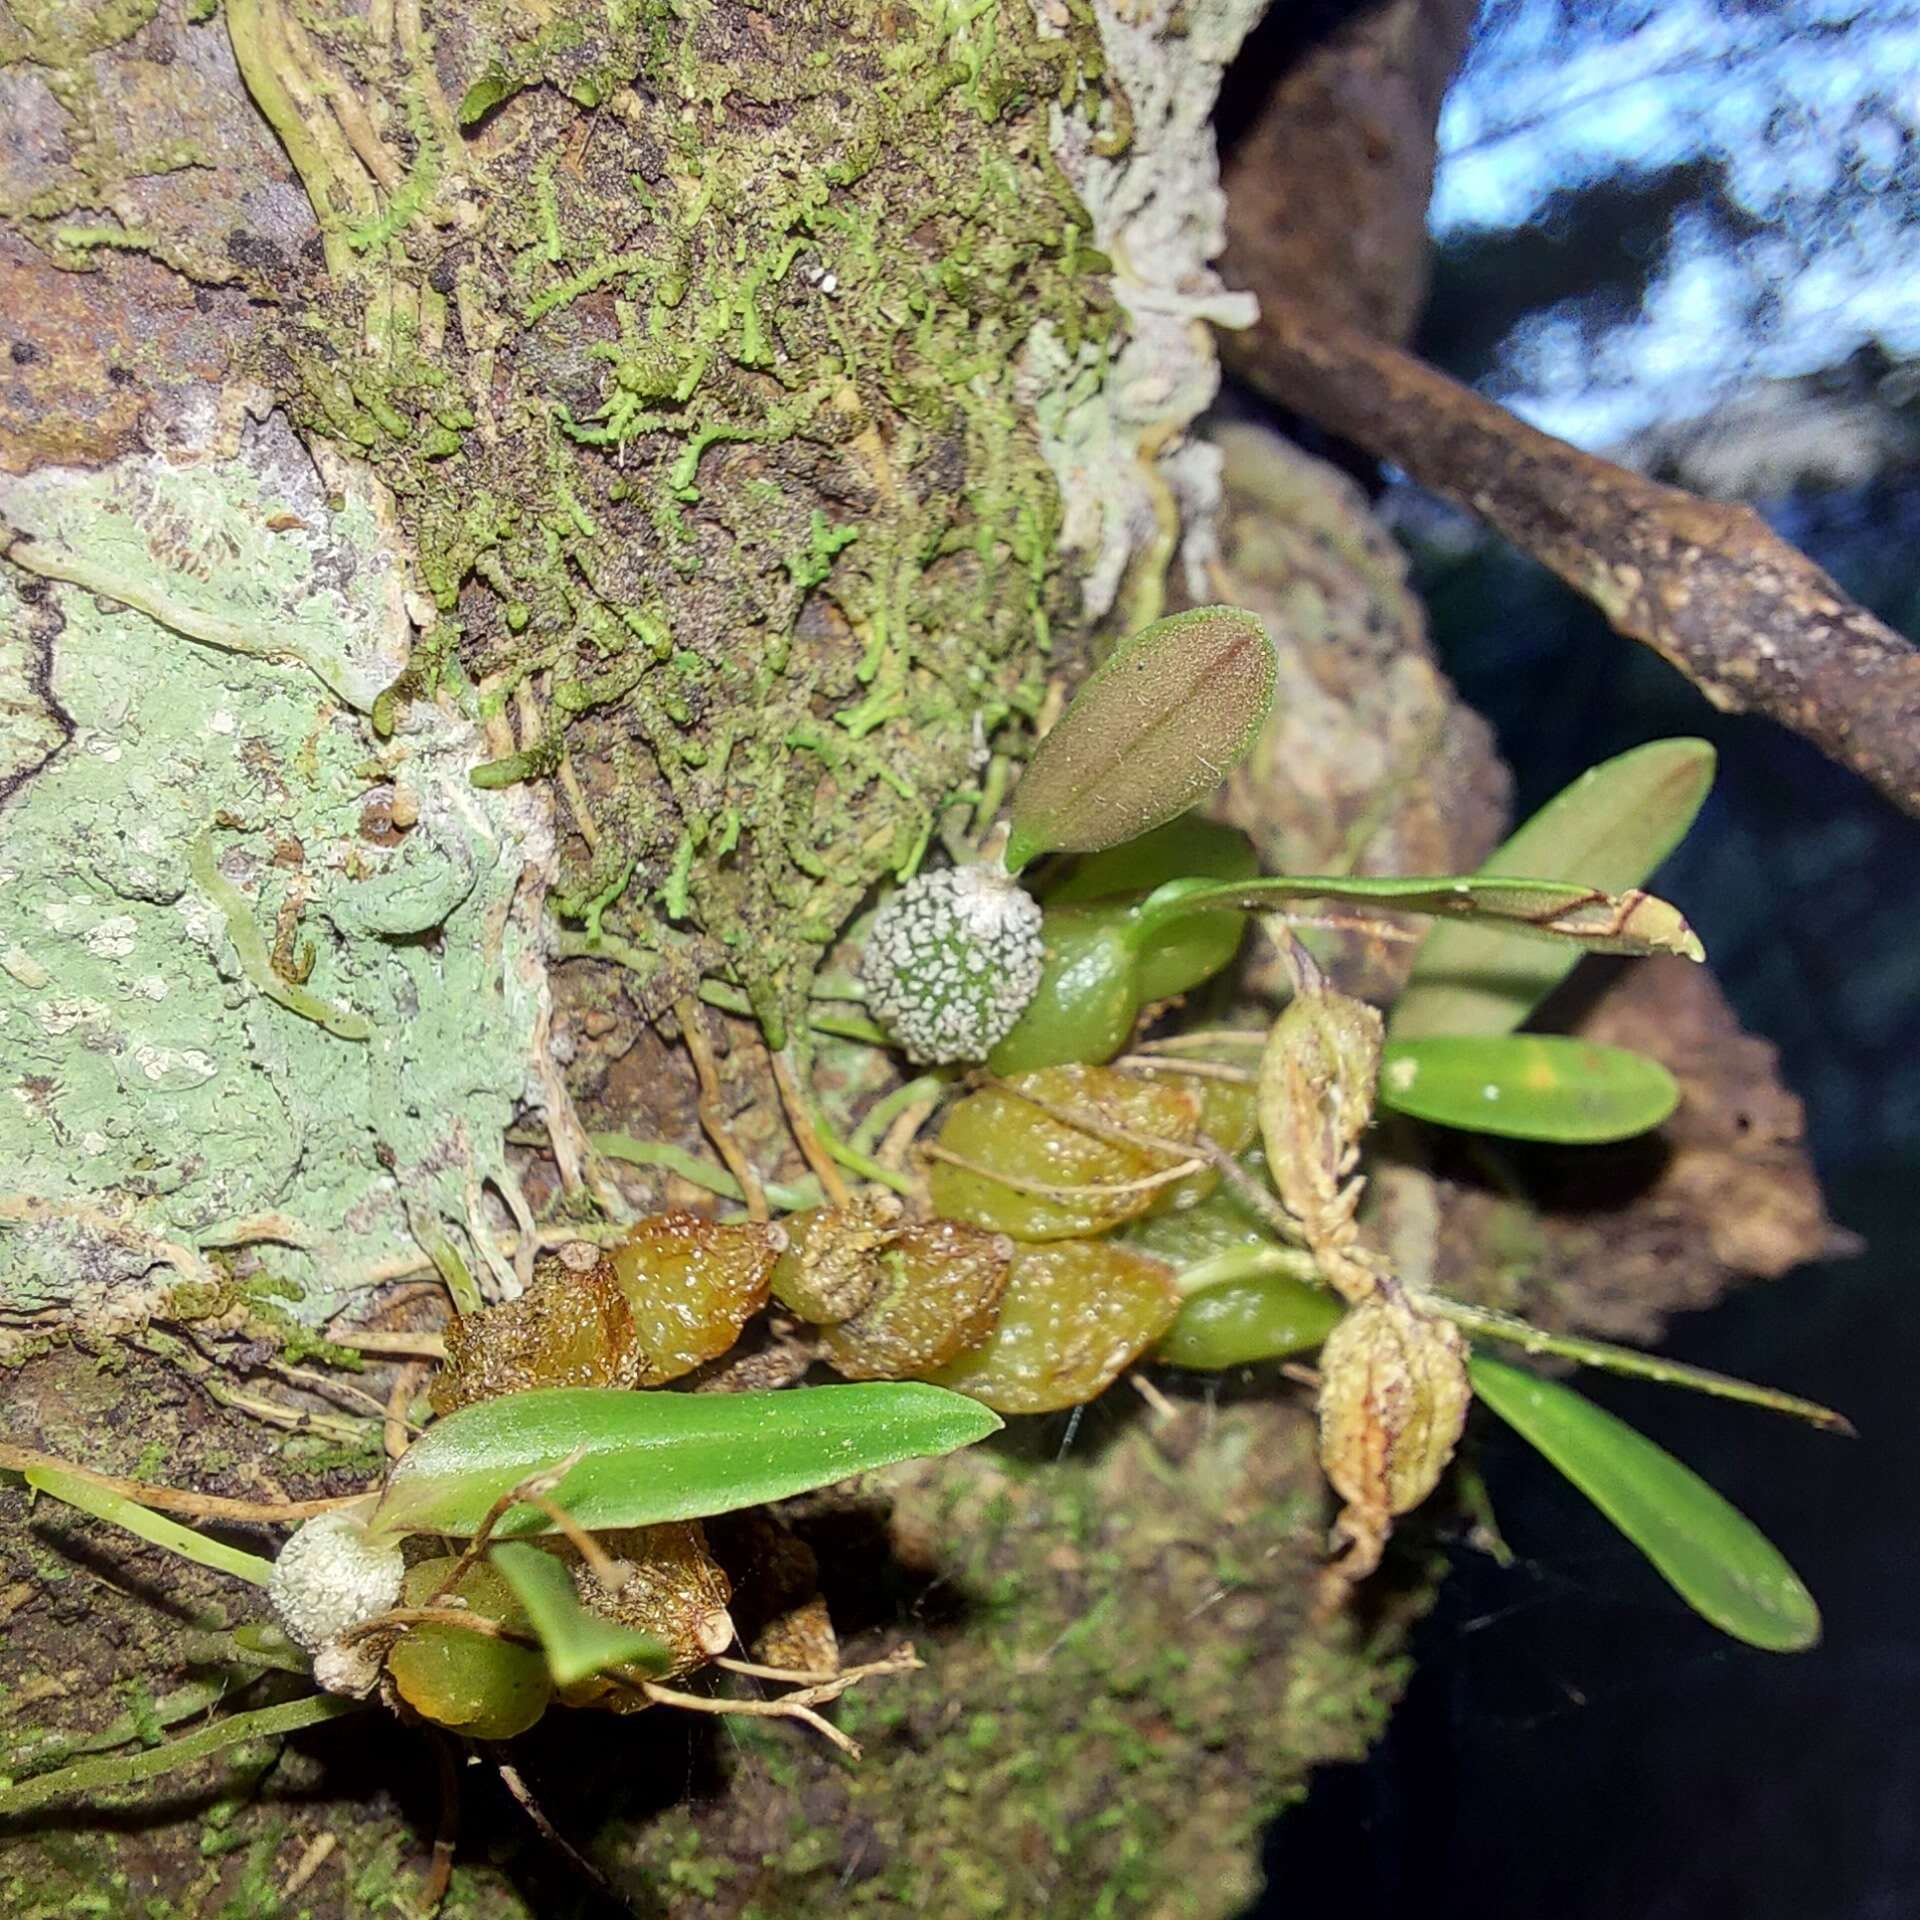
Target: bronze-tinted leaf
x=673 y=1591
x=830 y=1269
x=940 y=1289
x=1076 y=1315
x=1155 y=729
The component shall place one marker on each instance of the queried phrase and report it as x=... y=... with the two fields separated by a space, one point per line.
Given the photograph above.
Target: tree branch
x=1327 y=184
x=1750 y=620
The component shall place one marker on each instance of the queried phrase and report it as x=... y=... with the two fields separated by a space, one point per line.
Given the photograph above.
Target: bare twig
x=461 y=1619
x=515 y=1785
x=198 y=1506
x=1211 y=1151
x=407 y=1346
x=1055 y=1190
x=1750 y=620
x=814 y=1150
x=394 y=1428
x=785 y=1708
x=311 y=1860
x=1190 y=1069
x=712 y=1108
x=446 y=1834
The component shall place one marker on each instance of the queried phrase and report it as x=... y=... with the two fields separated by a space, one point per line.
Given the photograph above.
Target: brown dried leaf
x=1393 y=1400
x=1317 y=1078
x=674 y=1590
x=1610 y=1241
x=802 y=1640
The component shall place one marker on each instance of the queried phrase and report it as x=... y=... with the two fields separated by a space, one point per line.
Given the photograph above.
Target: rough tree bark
x=1340 y=274
x=512 y=512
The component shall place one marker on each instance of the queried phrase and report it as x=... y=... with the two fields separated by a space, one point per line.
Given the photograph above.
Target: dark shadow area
x=1575 y=1742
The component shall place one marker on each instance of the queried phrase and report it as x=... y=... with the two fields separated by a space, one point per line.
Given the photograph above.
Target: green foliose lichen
x=691 y=343
x=268 y=990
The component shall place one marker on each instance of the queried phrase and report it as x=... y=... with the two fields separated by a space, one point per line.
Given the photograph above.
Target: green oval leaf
x=1528 y=1086
x=1612 y=827
x=648 y=1457
x=1156 y=728
x=1089 y=995
x=1715 y=1558
x=1101 y=963
x=578 y=1644
x=1242 y=1321
x=1172 y=956
x=1191 y=847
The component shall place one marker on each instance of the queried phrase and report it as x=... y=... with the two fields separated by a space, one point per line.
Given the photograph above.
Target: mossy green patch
x=693 y=349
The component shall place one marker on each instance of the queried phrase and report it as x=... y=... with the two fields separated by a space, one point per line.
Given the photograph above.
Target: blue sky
x=1820 y=130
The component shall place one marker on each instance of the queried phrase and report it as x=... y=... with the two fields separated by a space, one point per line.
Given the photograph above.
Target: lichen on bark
x=690 y=341
x=261 y=1039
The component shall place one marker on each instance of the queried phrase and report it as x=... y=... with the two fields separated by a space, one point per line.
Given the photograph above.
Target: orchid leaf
x=109 y=1772
x=1715 y=1558
x=489 y=91
x=1152 y=731
x=1190 y=847
x=578 y=1643
x=104 y=1503
x=1177 y=956
x=1529 y=1086
x=649 y=1457
x=1484 y=1323
x=1630 y=922
x=1612 y=827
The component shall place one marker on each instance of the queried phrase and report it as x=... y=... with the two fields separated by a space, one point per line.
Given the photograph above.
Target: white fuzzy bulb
x=952 y=961
x=332 y=1575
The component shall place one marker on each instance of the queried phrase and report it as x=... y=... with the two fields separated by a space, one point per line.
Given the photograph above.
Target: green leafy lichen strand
x=697 y=372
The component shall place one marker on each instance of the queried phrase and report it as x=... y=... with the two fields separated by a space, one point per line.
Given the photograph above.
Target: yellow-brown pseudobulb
x=1076 y=1314
x=571 y=1328
x=1021 y=1155
x=1394 y=1395
x=939 y=1294
x=691 y=1284
x=1229 y=1117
